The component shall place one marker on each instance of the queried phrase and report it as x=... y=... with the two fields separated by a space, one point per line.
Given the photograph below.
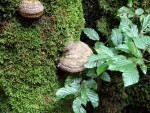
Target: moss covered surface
x=108 y=12
x=29 y=50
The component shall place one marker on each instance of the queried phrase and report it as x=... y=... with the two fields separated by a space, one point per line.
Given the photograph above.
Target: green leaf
x=100 y=62
x=139 y=11
x=142 y=18
x=115 y=51
x=93 y=60
x=120 y=63
x=148 y=49
x=116 y=37
x=130 y=77
x=88 y=94
x=84 y=96
x=148 y=10
x=2 y=41
x=143 y=68
x=62 y=92
x=91 y=73
x=101 y=68
x=72 y=80
x=128 y=28
x=97 y=44
x=69 y=80
x=72 y=86
x=93 y=97
x=133 y=33
x=90 y=65
x=91 y=33
x=93 y=57
x=125 y=12
x=91 y=84
x=135 y=59
x=142 y=65
x=134 y=50
x=130 y=3
x=142 y=42
x=103 y=50
x=140 y=62
x=123 y=47
x=97 y=58
x=105 y=77
x=77 y=106
x=125 y=22
x=145 y=21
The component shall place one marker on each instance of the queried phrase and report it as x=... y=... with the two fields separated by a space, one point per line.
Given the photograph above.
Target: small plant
x=128 y=54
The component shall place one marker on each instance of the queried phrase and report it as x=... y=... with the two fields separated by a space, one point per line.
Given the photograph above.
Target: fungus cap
x=75 y=57
x=31 y=8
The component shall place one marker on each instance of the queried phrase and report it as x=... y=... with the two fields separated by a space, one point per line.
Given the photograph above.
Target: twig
x=107 y=40
x=146 y=60
x=146 y=49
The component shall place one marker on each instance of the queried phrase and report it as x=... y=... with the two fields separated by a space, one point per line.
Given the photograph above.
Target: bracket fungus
x=75 y=57
x=31 y=8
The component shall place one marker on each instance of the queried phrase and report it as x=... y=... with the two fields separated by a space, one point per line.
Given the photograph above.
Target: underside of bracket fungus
x=75 y=57
x=31 y=8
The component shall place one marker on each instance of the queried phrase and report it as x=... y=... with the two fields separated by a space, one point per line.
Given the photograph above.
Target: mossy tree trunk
x=29 y=51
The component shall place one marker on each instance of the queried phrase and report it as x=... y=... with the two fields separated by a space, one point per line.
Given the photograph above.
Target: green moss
x=108 y=20
x=8 y=8
x=111 y=6
x=70 y=16
x=109 y=10
x=29 y=54
x=102 y=26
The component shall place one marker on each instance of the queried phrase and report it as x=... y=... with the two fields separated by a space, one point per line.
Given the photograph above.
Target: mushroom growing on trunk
x=31 y=8
x=75 y=57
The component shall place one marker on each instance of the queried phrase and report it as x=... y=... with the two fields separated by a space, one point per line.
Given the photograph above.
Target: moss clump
x=8 y=8
x=69 y=18
x=109 y=10
x=103 y=27
x=29 y=52
x=111 y=6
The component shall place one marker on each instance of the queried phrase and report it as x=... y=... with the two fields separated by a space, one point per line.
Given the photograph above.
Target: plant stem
x=107 y=40
x=146 y=49
x=147 y=61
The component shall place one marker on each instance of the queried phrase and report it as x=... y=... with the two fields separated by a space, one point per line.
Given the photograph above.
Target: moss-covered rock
x=29 y=54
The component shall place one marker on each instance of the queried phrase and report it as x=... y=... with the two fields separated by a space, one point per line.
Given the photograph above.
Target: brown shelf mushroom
x=75 y=57
x=31 y=8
